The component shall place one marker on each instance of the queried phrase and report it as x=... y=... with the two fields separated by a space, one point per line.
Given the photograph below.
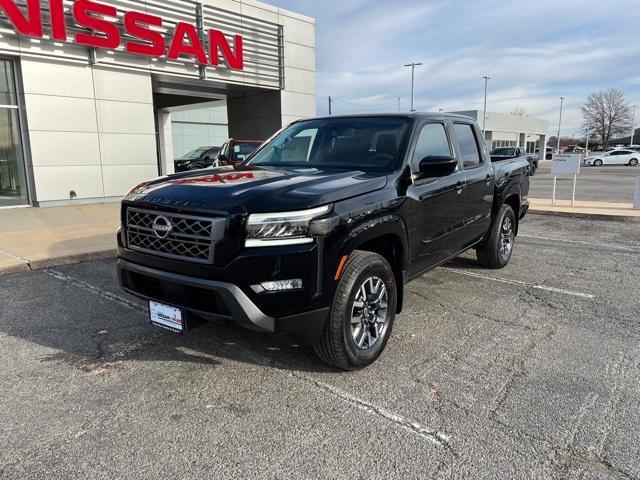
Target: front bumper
x=212 y=299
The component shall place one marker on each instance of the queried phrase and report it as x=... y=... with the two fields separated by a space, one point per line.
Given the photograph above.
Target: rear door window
x=467 y=145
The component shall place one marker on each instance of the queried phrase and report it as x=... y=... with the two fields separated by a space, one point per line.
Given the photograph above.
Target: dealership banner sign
x=101 y=26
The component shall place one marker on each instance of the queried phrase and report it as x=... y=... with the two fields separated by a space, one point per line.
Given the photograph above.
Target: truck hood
x=255 y=189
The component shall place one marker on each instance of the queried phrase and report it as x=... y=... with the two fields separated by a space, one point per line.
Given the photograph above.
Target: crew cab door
x=480 y=183
x=438 y=206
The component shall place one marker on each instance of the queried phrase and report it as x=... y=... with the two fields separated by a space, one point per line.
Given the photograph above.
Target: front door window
x=13 y=184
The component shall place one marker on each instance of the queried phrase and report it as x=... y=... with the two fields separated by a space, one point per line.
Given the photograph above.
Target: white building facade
x=508 y=130
x=90 y=88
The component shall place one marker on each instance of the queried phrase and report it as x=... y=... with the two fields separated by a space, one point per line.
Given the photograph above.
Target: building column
x=542 y=145
x=254 y=116
x=165 y=142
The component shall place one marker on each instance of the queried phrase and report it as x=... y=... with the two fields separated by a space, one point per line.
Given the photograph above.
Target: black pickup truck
x=317 y=233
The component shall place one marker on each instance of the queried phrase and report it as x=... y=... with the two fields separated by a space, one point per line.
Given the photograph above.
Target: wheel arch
x=513 y=201
x=389 y=240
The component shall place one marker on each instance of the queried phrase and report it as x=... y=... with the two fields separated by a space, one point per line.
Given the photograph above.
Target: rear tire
x=496 y=251
x=633 y=162
x=362 y=315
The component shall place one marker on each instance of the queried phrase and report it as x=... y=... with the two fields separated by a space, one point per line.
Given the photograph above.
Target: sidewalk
x=594 y=210
x=32 y=238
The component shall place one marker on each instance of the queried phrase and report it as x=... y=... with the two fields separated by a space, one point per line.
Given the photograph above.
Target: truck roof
x=413 y=115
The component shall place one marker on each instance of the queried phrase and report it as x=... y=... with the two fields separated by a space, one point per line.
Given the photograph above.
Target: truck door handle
x=459 y=187
x=488 y=179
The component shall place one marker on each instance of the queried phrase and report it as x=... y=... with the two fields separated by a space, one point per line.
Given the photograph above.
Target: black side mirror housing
x=437 y=166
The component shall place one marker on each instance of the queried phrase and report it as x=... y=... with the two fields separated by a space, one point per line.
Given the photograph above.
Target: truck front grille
x=172 y=235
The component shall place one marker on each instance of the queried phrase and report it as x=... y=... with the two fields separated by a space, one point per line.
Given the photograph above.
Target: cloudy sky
x=534 y=51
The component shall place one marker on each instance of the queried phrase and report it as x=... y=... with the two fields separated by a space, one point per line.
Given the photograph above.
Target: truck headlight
x=277 y=229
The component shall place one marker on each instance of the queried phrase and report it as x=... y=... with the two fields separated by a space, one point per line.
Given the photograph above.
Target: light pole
x=562 y=99
x=413 y=80
x=633 y=125
x=555 y=177
x=484 y=112
x=330 y=104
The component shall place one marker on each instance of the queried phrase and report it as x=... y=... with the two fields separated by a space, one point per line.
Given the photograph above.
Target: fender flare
x=374 y=228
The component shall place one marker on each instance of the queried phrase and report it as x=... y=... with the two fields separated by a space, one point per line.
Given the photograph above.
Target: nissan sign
x=101 y=22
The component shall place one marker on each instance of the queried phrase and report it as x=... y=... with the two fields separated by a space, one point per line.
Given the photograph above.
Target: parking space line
x=432 y=436
x=435 y=437
x=519 y=283
x=618 y=246
x=95 y=290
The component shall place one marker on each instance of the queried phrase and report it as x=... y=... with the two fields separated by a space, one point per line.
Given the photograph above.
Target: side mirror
x=222 y=159
x=437 y=165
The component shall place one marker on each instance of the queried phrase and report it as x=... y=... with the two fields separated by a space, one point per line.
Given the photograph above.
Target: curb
x=27 y=266
x=587 y=216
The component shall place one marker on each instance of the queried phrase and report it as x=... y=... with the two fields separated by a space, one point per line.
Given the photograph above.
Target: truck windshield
x=194 y=154
x=503 y=151
x=370 y=144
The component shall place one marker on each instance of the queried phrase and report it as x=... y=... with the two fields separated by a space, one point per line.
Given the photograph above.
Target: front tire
x=496 y=251
x=597 y=163
x=362 y=315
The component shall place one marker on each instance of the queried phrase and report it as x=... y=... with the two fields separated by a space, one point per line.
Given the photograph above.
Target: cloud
x=534 y=52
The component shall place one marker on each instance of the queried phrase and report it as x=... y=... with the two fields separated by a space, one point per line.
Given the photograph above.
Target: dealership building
x=509 y=130
x=101 y=95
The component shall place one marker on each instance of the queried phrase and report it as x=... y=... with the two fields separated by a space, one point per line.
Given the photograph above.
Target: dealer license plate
x=167 y=317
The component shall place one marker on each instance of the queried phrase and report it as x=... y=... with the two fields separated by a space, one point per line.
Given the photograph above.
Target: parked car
x=317 y=234
x=508 y=153
x=549 y=151
x=619 y=156
x=234 y=152
x=196 y=159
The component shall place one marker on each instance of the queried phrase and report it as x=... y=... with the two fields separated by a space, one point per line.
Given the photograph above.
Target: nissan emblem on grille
x=162 y=227
x=174 y=235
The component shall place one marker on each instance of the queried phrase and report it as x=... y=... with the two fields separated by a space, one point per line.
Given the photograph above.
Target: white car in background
x=615 y=157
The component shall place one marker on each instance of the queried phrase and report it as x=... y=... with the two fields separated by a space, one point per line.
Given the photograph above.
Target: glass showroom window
x=13 y=185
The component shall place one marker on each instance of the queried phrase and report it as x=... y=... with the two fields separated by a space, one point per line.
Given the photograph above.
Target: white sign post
x=565 y=164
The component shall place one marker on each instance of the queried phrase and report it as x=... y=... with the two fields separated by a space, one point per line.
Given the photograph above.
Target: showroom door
x=13 y=184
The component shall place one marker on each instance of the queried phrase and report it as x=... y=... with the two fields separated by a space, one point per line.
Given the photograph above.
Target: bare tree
x=520 y=111
x=607 y=115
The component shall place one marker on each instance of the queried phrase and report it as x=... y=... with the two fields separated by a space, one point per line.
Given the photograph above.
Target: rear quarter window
x=467 y=145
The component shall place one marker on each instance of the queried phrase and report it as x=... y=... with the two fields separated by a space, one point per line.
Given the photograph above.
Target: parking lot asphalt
x=528 y=372
x=614 y=183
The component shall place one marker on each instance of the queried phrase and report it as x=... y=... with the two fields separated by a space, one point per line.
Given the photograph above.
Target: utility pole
x=399 y=104
x=562 y=99
x=413 y=80
x=330 y=102
x=484 y=112
x=633 y=125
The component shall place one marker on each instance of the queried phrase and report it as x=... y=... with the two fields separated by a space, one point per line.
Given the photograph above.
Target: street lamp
x=413 y=79
x=562 y=99
x=633 y=125
x=484 y=112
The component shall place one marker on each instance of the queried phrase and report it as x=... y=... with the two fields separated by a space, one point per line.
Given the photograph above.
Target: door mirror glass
x=437 y=165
